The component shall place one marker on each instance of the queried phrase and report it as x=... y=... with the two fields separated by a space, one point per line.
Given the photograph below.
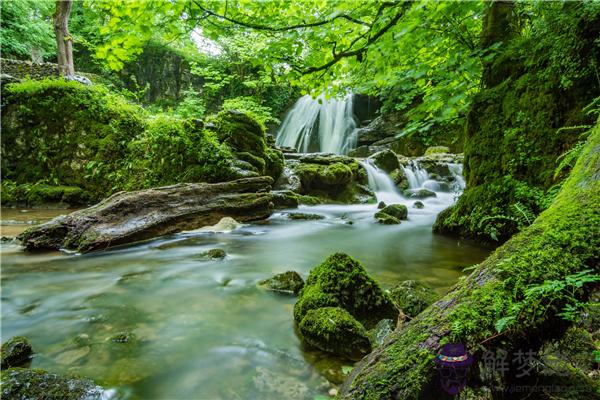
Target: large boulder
x=128 y=217
x=341 y=281
x=20 y=383
x=392 y=214
x=335 y=330
x=385 y=160
x=15 y=352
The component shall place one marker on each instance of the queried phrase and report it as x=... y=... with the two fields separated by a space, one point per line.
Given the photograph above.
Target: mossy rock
x=341 y=281
x=412 y=297
x=399 y=178
x=385 y=160
x=381 y=205
x=418 y=205
x=213 y=254
x=241 y=132
x=305 y=216
x=336 y=331
x=398 y=211
x=324 y=176
x=437 y=150
x=288 y=282
x=19 y=383
x=419 y=193
x=16 y=352
x=386 y=219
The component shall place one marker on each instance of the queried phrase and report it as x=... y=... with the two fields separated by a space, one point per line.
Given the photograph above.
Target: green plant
x=251 y=106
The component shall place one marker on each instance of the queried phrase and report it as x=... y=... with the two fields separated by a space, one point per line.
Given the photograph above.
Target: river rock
x=418 y=204
x=399 y=178
x=412 y=297
x=334 y=330
x=284 y=199
x=288 y=282
x=419 y=193
x=382 y=330
x=128 y=217
x=398 y=211
x=381 y=205
x=385 y=160
x=284 y=387
x=20 y=383
x=437 y=150
x=213 y=254
x=341 y=281
x=386 y=219
x=15 y=352
x=305 y=216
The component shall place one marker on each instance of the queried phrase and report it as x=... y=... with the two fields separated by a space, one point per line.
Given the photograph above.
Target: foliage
x=249 y=105
x=26 y=27
x=192 y=106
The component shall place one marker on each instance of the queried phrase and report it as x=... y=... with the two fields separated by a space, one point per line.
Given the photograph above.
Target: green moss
x=437 y=150
x=15 y=352
x=341 y=281
x=392 y=214
x=287 y=282
x=412 y=297
x=334 y=330
x=19 y=383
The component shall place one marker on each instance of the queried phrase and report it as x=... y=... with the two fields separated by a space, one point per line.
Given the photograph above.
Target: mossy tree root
x=480 y=310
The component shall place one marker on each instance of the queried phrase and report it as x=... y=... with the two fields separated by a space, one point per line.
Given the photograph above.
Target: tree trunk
x=563 y=240
x=497 y=28
x=64 y=41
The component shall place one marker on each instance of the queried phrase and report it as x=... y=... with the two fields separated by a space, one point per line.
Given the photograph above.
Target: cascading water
x=336 y=123
x=459 y=182
x=381 y=184
x=415 y=174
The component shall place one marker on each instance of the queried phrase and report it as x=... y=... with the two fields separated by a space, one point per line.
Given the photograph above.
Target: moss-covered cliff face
x=57 y=133
x=513 y=133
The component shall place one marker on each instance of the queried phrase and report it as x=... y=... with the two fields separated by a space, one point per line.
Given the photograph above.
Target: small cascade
x=334 y=118
x=381 y=184
x=416 y=175
x=457 y=172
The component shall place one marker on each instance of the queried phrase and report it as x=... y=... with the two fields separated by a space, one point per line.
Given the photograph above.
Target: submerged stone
x=305 y=216
x=16 y=352
x=214 y=254
x=418 y=204
x=334 y=330
x=381 y=331
x=20 y=383
x=341 y=281
x=412 y=297
x=381 y=205
x=123 y=337
x=287 y=282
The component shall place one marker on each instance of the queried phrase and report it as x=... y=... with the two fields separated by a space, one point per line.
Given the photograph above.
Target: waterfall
x=459 y=182
x=336 y=123
x=381 y=183
x=416 y=175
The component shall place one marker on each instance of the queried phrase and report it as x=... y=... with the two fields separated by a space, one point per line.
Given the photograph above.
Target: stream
x=202 y=329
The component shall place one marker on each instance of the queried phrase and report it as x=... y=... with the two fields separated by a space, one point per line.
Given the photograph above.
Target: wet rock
x=16 y=352
x=334 y=330
x=7 y=239
x=437 y=150
x=70 y=357
x=399 y=178
x=288 y=282
x=305 y=216
x=285 y=199
x=360 y=151
x=214 y=254
x=288 y=180
x=412 y=297
x=19 y=383
x=127 y=217
x=123 y=337
x=341 y=281
x=398 y=211
x=381 y=205
x=381 y=331
x=225 y=224
x=385 y=160
x=418 y=204
x=386 y=219
x=419 y=193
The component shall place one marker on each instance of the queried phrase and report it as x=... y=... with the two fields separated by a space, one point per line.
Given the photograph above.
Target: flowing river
x=202 y=329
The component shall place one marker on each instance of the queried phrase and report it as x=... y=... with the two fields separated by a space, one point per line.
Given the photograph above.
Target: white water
x=456 y=170
x=381 y=184
x=336 y=125
x=417 y=176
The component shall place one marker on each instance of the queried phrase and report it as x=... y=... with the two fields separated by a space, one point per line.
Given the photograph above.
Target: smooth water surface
x=203 y=330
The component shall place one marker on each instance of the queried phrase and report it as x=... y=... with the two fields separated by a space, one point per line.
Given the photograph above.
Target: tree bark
x=497 y=28
x=563 y=240
x=64 y=41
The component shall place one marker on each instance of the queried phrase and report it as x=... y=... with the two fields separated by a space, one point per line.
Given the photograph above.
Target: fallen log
x=511 y=300
x=128 y=217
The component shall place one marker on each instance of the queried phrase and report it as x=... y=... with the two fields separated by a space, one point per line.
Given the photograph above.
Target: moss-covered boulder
x=213 y=254
x=335 y=330
x=412 y=297
x=392 y=214
x=437 y=150
x=246 y=137
x=418 y=205
x=385 y=160
x=19 y=383
x=305 y=216
x=419 y=193
x=341 y=281
x=399 y=178
x=288 y=282
x=15 y=352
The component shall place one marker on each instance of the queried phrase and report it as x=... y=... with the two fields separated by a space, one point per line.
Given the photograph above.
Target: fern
x=526 y=216
x=568 y=158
